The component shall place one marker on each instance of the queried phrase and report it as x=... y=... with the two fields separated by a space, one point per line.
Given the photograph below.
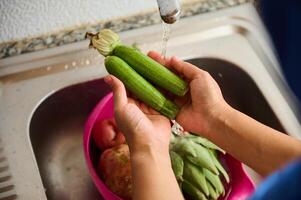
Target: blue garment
x=282 y=185
x=283 y=20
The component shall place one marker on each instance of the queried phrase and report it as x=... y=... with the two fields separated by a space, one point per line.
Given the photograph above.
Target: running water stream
x=176 y=128
x=165 y=37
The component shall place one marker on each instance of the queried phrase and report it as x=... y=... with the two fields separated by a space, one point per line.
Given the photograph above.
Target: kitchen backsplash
x=31 y=25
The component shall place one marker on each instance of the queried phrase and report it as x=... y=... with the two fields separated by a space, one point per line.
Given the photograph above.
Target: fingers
x=143 y=107
x=119 y=92
x=157 y=57
x=180 y=101
x=186 y=69
x=120 y=97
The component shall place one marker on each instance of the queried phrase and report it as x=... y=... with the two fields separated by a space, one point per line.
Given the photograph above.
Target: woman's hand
x=144 y=128
x=204 y=111
x=147 y=134
x=204 y=99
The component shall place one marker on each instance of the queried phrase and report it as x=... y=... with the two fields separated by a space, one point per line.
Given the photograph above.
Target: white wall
x=27 y=18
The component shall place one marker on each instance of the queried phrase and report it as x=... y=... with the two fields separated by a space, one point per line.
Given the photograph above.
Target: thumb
x=119 y=92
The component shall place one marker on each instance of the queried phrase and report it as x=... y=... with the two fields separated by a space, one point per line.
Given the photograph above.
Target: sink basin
x=56 y=127
x=46 y=96
x=56 y=132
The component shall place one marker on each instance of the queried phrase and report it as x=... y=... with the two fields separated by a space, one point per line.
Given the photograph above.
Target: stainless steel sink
x=46 y=96
x=57 y=125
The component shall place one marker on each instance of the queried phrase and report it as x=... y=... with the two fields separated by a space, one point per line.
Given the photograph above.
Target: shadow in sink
x=57 y=126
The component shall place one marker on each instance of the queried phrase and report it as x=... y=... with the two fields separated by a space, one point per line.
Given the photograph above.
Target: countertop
x=26 y=45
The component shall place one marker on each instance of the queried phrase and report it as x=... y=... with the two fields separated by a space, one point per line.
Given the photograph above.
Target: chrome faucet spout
x=169 y=10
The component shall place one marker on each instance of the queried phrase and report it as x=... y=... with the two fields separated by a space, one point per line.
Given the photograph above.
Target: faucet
x=169 y=10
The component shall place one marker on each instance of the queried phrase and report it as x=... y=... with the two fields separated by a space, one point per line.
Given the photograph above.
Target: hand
x=204 y=99
x=147 y=134
x=144 y=128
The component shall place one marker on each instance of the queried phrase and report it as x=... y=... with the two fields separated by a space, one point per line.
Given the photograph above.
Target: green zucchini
x=135 y=83
x=151 y=70
x=108 y=43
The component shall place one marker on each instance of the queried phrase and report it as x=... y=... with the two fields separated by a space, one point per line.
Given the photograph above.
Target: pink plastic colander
x=240 y=187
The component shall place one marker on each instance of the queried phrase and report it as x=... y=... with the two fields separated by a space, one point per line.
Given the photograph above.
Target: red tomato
x=106 y=134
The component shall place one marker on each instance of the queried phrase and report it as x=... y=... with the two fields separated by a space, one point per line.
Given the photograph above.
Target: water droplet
x=73 y=63
x=66 y=66
x=220 y=75
x=87 y=62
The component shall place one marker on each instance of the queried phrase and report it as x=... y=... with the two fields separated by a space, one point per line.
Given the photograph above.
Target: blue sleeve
x=282 y=185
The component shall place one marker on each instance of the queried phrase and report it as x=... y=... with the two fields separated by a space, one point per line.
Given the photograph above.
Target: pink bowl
x=240 y=187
